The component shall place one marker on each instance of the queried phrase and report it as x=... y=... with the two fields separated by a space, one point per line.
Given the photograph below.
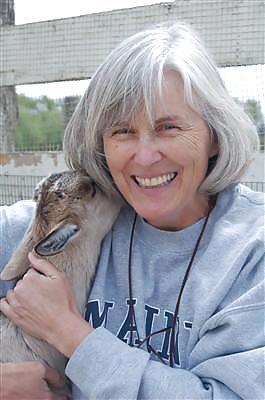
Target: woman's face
x=158 y=169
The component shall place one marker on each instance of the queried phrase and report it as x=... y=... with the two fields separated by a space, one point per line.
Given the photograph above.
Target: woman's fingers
x=10 y=297
x=7 y=307
x=52 y=377
x=54 y=303
x=43 y=266
x=29 y=381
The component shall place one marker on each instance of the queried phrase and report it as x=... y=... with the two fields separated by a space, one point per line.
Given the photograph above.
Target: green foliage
x=40 y=122
x=253 y=109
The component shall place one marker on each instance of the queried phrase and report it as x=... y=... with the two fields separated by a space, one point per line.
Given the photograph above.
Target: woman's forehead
x=165 y=100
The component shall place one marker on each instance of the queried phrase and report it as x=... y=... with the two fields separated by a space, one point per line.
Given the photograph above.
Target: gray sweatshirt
x=219 y=343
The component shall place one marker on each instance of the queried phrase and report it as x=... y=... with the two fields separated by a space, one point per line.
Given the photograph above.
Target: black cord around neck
x=131 y=306
x=184 y=281
x=132 y=317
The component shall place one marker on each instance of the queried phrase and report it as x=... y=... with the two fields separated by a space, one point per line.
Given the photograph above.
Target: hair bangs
x=138 y=93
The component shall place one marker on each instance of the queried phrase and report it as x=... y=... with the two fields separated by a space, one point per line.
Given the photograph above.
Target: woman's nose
x=147 y=152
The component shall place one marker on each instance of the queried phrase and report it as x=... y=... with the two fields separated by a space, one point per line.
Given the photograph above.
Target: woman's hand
x=29 y=381
x=43 y=305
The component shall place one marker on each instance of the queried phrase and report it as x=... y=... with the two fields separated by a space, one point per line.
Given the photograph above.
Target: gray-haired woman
x=177 y=305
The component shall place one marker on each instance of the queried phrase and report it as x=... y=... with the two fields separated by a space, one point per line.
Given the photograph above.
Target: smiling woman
x=132 y=81
x=159 y=165
x=177 y=304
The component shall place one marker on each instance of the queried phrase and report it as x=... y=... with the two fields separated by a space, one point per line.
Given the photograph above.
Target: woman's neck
x=189 y=215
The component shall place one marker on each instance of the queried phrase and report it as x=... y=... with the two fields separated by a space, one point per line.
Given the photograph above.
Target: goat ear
x=57 y=240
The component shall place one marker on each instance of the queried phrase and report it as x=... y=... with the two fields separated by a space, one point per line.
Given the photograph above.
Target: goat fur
x=71 y=219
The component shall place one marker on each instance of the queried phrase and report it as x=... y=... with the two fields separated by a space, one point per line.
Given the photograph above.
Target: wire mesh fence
x=47 y=66
x=20 y=187
x=256 y=186
x=17 y=187
x=38 y=147
x=71 y=49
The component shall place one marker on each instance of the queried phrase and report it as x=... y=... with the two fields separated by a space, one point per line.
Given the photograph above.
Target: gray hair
x=131 y=77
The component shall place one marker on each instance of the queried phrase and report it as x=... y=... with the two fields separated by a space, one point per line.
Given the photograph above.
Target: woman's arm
x=226 y=363
x=14 y=222
x=104 y=367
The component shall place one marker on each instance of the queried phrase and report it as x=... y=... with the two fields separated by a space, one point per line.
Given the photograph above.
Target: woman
x=180 y=275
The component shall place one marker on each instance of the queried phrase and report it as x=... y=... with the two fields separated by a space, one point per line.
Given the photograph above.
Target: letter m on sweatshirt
x=95 y=316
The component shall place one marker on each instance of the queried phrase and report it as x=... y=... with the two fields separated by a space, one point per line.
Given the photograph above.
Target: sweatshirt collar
x=182 y=241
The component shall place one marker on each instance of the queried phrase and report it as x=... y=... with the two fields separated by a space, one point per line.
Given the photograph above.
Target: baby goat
x=71 y=219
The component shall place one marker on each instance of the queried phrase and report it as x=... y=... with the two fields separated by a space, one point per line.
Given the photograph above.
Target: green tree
x=40 y=122
x=253 y=108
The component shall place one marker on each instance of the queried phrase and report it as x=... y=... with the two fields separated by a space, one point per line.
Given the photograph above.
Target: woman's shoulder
x=239 y=214
x=249 y=195
x=20 y=213
x=241 y=202
x=125 y=216
x=14 y=223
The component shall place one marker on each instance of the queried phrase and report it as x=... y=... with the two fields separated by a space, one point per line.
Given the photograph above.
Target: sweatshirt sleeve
x=227 y=362
x=14 y=222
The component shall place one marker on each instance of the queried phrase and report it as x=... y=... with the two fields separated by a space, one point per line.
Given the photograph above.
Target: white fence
x=72 y=48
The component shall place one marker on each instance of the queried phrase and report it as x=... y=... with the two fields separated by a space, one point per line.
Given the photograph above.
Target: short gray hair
x=132 y=76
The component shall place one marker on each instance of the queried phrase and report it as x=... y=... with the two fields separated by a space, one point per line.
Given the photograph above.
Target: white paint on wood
x=32 y=164
x=72 y=48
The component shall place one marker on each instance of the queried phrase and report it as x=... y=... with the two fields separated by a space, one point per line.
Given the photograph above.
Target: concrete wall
x=20 y=173
x=43 y=163
x=33 y=164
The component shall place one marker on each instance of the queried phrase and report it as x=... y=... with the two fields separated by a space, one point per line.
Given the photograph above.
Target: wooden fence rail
x=72 y=48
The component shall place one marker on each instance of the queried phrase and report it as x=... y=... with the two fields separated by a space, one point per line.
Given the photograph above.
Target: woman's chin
x=155 y=216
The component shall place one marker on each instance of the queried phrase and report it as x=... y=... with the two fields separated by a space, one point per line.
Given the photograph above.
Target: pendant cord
x=132 y=317
x=175 y=317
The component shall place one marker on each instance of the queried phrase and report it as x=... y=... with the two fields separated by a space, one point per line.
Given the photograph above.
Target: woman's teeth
x=157 y=181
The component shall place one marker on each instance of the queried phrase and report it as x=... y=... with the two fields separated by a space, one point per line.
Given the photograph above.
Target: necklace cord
x=184 y=281
x=132 y=317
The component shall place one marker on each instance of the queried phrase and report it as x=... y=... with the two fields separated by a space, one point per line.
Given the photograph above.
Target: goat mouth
x=154 y=182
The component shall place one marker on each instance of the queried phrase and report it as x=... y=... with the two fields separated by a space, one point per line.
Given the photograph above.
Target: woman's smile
x=156 y=181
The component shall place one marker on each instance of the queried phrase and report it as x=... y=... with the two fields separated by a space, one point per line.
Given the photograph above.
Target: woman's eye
x=166 y=127
x=123 y=131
